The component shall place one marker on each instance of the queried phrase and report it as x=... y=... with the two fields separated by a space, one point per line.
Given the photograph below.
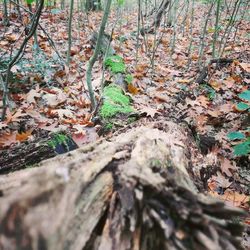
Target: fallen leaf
x=32 y=94
x=149 y=111
x=7 y=139
x=245 y=67
x=227 y=167
x=63 y=113
x=203 y=100
x=132 y=89
x=23 y=136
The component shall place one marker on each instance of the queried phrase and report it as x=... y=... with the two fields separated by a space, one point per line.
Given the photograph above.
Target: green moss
x=109 y=126
x=115 y=102
x=156 y=163
x=132 y=119
x=116 y=64
x=58 y=139
x=129 y=78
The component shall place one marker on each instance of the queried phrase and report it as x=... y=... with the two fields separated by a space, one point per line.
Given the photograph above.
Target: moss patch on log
x=115 y=102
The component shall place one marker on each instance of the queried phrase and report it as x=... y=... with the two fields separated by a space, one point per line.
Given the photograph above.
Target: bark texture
x=157 y=18
x=133 y=191
x=93 y=5
x=28 y=153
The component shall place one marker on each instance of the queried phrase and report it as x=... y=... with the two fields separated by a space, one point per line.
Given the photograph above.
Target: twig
x=30 y=33
x=51 y=42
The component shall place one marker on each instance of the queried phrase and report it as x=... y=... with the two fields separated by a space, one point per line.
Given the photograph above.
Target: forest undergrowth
x=168 y=77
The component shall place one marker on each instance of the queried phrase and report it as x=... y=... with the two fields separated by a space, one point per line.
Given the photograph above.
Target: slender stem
x=31 y=32
x=216 y=27
x=93 y=59
x=138 y=32
x=204 y=32
x=5 y=13
x=70 y=31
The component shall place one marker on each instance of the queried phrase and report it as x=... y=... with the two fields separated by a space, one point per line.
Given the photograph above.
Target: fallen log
x=133 y=191
x=29 y=153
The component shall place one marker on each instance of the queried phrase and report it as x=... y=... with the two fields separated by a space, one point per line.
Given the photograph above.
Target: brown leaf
x=203 y=100
x=7 y=139
x=149 y=111
x=227 y=167
x=23 y=136
x=245 y=67
x=132 y=89
x=32 y=94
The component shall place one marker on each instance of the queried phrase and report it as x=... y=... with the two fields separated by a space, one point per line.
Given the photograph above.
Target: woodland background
x=180 y=61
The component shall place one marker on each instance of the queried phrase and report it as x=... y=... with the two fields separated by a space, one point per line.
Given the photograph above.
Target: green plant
x=58 y=139
x=108 y=126
x=211 y=93
x=129 y=78
x=242 y=148
x=245 y=103
x=115 y=63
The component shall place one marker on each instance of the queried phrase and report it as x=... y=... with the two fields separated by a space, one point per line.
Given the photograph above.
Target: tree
x=93 y=5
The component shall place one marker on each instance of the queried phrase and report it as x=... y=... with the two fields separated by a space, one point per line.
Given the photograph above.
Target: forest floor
x=47 y=95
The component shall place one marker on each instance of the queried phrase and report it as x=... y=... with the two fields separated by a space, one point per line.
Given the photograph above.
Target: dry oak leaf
x=62 y=113
x=23 y=136
x=203 y=101
x=14 y=117
x=7 y=139
x=227 y=167
x=245 y=67
x=215 y=85
x=149 y=111
x=132 y=89
x=53 y=100
x=32 y=94
x=233 y=198
x=221 y=180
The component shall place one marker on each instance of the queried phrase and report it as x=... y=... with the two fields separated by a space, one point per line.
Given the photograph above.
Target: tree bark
x=133 y=191
x=93 y=5
x=28 y=154
x=157 y=18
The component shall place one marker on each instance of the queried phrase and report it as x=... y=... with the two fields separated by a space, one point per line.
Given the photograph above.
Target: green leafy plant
x=29 y=1
x=210 y=92
x=120 y=2
x=242 y=148
x=129 y=78
x=58 y=139
x=116 y=64
x=245 y=103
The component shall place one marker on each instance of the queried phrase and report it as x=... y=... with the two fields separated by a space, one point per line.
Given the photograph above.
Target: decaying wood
x=204 y=72
x=134 y=191
x=29 y=153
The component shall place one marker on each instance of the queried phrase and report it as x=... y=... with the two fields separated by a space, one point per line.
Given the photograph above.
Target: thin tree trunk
x=96 y=53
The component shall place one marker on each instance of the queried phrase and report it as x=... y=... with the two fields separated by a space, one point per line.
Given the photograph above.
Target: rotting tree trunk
x=132 y=191
x=29 y=153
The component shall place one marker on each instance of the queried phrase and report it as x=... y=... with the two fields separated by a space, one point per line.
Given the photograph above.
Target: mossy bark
x=116 y=109
x=133 y=191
